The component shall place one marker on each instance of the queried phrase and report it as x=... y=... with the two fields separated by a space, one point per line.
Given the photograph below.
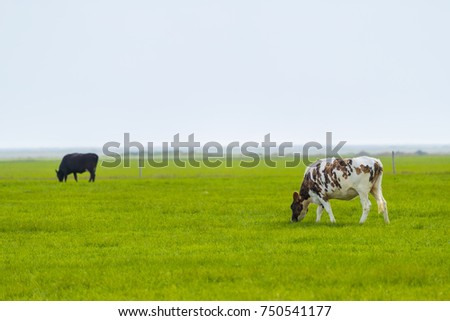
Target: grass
x=218 y=234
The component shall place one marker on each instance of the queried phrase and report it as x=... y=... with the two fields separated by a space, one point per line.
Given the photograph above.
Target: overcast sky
x=81 y=73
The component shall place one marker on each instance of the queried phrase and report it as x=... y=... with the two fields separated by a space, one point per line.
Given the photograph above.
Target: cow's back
x=79 y=162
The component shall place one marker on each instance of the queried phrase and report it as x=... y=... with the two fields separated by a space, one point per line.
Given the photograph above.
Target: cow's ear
x=296 y=197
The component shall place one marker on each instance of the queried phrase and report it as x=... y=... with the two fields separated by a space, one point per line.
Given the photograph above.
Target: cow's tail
x=377 y=190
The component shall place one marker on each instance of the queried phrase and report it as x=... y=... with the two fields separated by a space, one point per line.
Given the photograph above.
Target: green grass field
x=218 y=234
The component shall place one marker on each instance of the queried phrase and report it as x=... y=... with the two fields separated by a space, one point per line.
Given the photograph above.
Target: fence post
x=393 y=163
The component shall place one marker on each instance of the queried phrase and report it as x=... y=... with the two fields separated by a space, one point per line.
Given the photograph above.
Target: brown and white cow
x=343 y=179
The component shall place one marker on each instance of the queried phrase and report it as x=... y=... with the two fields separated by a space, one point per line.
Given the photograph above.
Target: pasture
x=218 y=234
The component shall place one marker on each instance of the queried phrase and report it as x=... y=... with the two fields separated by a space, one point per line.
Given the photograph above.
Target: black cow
x=77 y=163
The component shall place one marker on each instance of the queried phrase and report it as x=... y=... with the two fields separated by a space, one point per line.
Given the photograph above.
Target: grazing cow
x=77 y=163
x=342 y=179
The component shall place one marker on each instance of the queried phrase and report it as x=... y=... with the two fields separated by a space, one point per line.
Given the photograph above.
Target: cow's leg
x=75 y=176
x=92 y=178
x=65 y=178
x=365 y=203
x=319 y=213
x=326 y=205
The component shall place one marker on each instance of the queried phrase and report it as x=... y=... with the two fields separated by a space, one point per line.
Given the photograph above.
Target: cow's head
x=60 y=175
x=298 y=207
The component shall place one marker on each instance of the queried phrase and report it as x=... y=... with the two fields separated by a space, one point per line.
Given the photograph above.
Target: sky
x=83 y=73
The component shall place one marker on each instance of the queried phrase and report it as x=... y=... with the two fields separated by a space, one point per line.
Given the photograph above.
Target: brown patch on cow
x=349 y=161
x=318 y=178
x=343 y=166
x=376 y=172
x=309 y=184
x=329 y=172
x=365 y=169
x=349 y=164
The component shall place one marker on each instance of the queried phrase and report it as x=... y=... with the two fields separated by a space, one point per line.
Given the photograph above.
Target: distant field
x=218 y=234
